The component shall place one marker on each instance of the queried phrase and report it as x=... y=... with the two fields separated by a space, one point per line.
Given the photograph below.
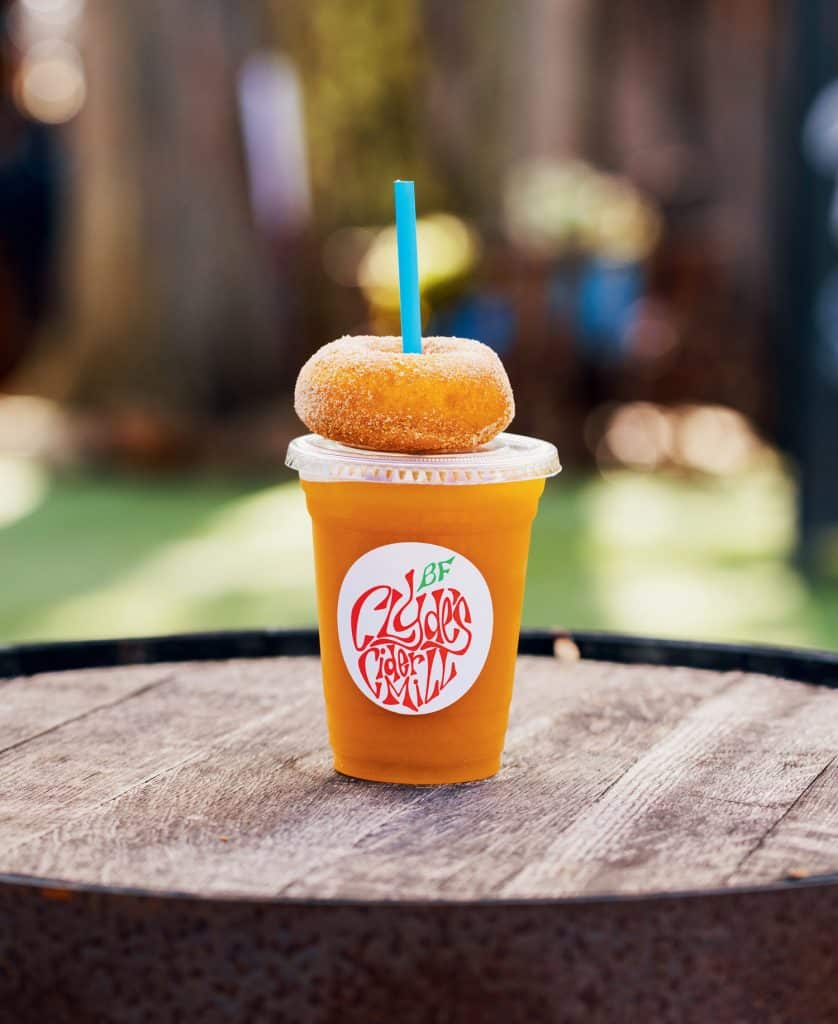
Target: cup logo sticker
x=415 y=625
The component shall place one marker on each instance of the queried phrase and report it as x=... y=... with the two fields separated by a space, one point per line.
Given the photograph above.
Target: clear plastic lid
x=509 y=457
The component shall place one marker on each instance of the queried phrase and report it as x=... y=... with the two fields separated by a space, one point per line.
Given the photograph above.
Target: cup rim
x=507 y=458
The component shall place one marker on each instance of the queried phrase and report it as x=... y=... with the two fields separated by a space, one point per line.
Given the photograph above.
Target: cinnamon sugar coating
x=366 y=392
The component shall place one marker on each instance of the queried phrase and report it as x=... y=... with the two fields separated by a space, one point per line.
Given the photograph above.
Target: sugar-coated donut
x=366 y=392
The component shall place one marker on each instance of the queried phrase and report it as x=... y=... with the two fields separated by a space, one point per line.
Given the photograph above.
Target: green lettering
x=428 y=575
x=445 y=567
x=435 y=572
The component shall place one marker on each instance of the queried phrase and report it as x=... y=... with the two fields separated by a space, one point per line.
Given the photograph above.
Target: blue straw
x=408 y=267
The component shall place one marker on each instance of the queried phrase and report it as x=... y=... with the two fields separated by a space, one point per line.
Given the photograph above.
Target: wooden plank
x=574 y=729
x=803 y=843
x=704 y=796
x=262 y=812
x=65 y=774
x=34 y=705
x=248 y=814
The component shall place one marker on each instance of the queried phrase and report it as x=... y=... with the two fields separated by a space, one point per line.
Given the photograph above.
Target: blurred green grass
x=91 y=556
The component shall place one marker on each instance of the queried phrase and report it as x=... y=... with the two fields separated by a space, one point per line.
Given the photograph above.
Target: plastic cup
x=420 y=563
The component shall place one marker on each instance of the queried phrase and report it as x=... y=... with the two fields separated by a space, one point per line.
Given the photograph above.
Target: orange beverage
x=419 y=589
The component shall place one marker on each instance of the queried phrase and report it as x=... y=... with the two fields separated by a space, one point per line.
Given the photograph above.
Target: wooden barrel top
x=212 y=779
x=215 y=778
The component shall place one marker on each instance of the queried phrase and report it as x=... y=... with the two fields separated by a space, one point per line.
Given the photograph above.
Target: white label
x=415 y=625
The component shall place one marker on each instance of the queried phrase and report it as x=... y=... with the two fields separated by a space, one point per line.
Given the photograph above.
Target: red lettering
x=408 y=645
x=376 y=599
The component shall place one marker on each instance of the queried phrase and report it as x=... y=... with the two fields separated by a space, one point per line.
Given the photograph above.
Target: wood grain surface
x=216 y=778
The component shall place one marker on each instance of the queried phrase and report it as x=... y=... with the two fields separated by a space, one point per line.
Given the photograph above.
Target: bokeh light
x=23 y=485
x=58 y=10
x=448 y=249
x=651 y=332
x=32 y=427
x=553 y=207
x=707 y=439
x=639 y=435
x=50 y=84
x=715 y=439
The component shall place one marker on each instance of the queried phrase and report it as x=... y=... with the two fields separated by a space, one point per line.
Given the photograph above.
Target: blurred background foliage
x=361 y=68
x=616 y=195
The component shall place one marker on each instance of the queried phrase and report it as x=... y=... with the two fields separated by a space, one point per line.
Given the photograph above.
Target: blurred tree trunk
x=467 y=72
x=504 y=84
x=551 y=50
x=174 y=301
